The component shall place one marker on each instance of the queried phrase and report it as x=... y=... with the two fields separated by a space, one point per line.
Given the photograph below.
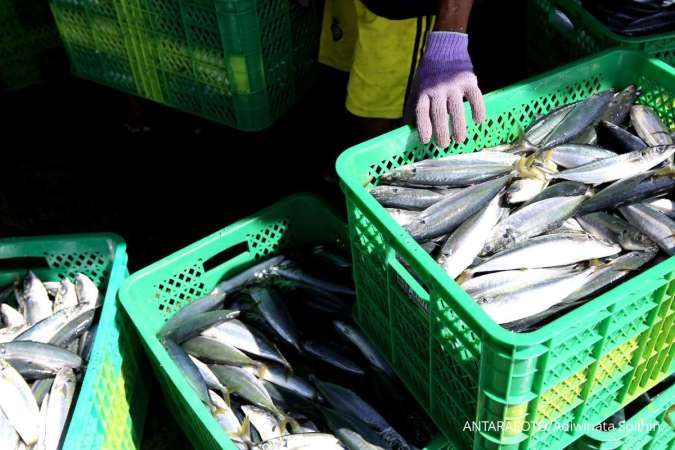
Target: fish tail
x=244 y=430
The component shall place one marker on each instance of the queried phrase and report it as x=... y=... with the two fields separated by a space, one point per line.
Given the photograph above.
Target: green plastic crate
x=152 y=295
x=460 y=365
x=112 y=399
x=647 y=429
x=242 y=63
x=551 y=42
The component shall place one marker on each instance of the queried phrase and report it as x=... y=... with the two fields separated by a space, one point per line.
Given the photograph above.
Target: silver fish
x=275 y=313
x=86 y=290
x=38 y=305
x=446 y=215
x=194 y=325
x=448 y=176
x=41 y=388
x=66 y=296
x=574 y=155
x=216 y=351
x=622 y=140
x=524 y=189
x=188 y=369
x=507 y=281
x=353 y=433
x=304 y=441
x=467 y=241
x=199 y=306
x=9 y=439
x=663 y=205
x=61 y=327
x=248 y=340
x=332 y=357
x=533 y=299
x=587 y=137
x=649 y=127
x=402 y=216
x=60 y=399
x=245 y=384
x=266 y=424
x=532 y=220
x=549 y=251
x=617 y=167
x=228 y=420
x=479 y=158
x=11 y=317
x=18 y=404
x=292 y=383
x=8 y=334
x=620 y=106
x=242 y=279
x=356 y=337
x=659 y=227
x=406 y=198
x=293 y=273
x=543 y=126
x=209 y=377
x=608 y=227
x=35 y=360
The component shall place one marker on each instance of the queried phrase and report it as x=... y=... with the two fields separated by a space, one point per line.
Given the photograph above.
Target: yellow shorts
x=381 y=55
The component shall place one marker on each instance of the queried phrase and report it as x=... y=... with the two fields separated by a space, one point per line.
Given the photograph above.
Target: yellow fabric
x=377 y=52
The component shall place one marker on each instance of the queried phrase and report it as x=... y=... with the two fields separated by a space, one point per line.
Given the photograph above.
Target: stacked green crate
x=242 y=63
x=27 y=36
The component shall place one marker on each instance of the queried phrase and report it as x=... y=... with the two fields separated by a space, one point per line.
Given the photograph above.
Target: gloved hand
x=444 y=78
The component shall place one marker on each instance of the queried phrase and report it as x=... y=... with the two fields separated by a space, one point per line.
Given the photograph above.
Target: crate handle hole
x=24 y=263
x=225 y=256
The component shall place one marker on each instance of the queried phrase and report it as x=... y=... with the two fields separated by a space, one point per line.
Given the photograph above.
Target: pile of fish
x=619 y=418
x=45 y=340
x=541 y=225
x=634 y=17
x=275 y=355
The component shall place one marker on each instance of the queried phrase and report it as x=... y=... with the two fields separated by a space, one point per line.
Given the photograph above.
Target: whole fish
x=274 y=311
x=608 y=227
x=620 y=105
x=265 y=423
x=561 y=189
x=194 y=325
x=86 y=343
x=571 y=225
x=61 y=327
x=533 y=299
x=188 y=369
x=8 y=334
x=86 y=290
x=349 y=403
x=209 y=377
x=293 y=273
x=549 y=251
x=332 y=357
x=237 y=431
x=620 y=139
x=52 y=287
x=506 y=281
x=353 y=433
x=581 y=116
x=11 y=317
x=618 y=167
x=446 y=215
x=472 y=158
x=217 y=351
x=289 y=382
x=406 y=198
x=664 y=205
x=18 y=404
x=35 y=360
x=649 y=126
x=304 y=441
x=659 y=227
x=38 y=305
x=630 y=190
x=467 y=241
x=532 y=220
x=199 y=306
x=254 y=273
x=66 y=296
x=574 y=155
x=448 y=176
x=543 y=126
x=241 y=382
x=402 y=216
x=60 y=399
x=246 y=339
x=356 y=337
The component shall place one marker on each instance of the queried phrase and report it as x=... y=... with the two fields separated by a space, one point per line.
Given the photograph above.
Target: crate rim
x=401 y=238
x=619 y=38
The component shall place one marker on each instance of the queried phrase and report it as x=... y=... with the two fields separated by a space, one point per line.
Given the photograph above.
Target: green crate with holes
x=152 y=295
x=524 y=391
x=110 y=407
x=560 y=31
x=242 y=63
x=652 y=427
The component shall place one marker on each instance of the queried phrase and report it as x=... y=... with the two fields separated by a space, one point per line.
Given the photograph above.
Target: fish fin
x=464 y=276
x=665 y=171
x=597 y=263
x=262 y=370
x=295 y=426
x=547 y=155
x=244 y=430
x=226 y=396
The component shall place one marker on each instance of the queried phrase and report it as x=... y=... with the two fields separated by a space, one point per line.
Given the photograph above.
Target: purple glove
x=445 y=77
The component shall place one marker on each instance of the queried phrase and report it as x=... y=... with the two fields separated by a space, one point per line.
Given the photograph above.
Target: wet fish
x=11 y=317
x=217 y=351
x=296 y=274
x=532 y=220
x=66 y=296
x=61 y=327
x=402 y=216
x=448 y=214
x=265 y=423
x=356 y=337
x=227 y=419
x=507 y=281
x=608 y=227
x=618 y=167
x=549 y=251
x=246 y=339
x=472 y=158
x=194 y=325
x=524 y=189
x=289 y=382
x=448 y=176
x=332 y=357
x=188 y=369
x=35 y=360
x=659 y=227
x=620 y=105
x=467 y=241
x=353 y=433
x=574 y=155
x=301 y=442
x=543 y=126
x=60 y=399
x=622 y=140
x=18 y=404
x=209 y=377
x=41 y=388
x=199 y=306
x=243 y=383
x=664 y=205
x=254 y=273
x=38 y=305
x=274 y=311
x=86 y=290
x=406 y=198
x=649 y=126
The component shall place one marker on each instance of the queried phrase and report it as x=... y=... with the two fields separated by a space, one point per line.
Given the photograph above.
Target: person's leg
x=385 y=59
